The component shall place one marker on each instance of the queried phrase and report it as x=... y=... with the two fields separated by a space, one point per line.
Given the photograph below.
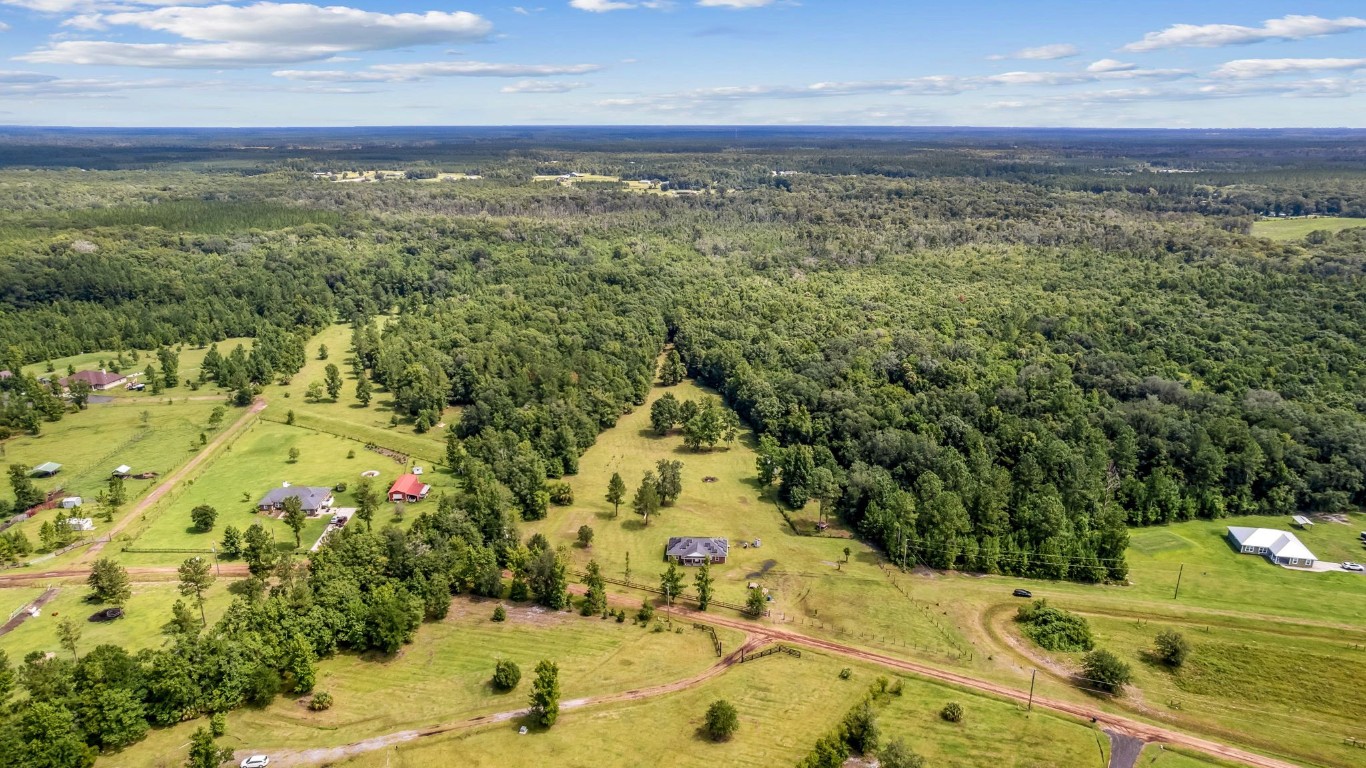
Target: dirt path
x=138 y=574
x=174 y=479
x=333 y=754
x=24 y=615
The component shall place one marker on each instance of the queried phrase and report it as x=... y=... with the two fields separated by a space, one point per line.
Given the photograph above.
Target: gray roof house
x=696 y=550
x=1280 y=547
x=313 y=499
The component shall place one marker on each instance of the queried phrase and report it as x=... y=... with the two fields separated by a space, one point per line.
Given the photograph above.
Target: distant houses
x=313 y=499
x=409 y=488
x=1280 y=547
x=100 y=380
x=696 y=550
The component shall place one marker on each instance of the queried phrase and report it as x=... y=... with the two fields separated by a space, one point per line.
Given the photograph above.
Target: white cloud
x=1242 y=69
x=4 y=27
x=603 y=6
x=1041 y=53
x=9 y=77
x=401 y=73
x=1110 y=65
x=1088 y=76
x=42 y=87
x=734 y=3
x=260 y=34
x=542 y=86
x=69 y=6
x=1291 y=27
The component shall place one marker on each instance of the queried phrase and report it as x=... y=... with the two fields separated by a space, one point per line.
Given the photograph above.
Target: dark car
x=108 y=614
x=1022 y=593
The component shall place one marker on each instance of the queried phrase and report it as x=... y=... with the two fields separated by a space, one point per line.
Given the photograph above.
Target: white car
x=256 y=761
x=1353 y=567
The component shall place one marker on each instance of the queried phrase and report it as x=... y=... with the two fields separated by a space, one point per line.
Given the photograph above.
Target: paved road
x=1124 y=749
x=24 y=613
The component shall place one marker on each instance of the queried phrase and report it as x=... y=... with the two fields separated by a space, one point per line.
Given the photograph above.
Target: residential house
x=1280 y=547
x=313 y=499
x=696 y=550
x=100 y=380
x=408 y=488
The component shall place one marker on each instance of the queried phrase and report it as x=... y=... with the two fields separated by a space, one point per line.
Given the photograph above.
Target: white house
x=71 y=502
x=80 y=524
x=1280 y=547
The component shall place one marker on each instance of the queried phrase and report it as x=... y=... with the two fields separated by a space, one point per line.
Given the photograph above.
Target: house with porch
x=696 y=550
x=1280 y=547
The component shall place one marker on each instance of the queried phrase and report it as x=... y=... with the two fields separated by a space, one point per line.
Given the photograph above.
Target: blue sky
x=1097 y=63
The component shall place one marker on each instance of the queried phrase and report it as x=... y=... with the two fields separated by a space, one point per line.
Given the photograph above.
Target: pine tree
x=616 y=493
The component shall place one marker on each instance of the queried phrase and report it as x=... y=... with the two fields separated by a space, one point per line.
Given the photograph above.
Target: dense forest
x=988 y=351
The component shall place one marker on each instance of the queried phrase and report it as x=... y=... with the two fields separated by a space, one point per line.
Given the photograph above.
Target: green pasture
x=1296 y=229
x=191 y=359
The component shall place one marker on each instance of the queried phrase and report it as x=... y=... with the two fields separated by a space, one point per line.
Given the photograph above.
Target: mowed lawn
x=1296 y=229
x=346 y=416
x=146 y=613
x=784 y=705
x=89 y=444
x=810 y=584
x=258 y=461
x=443 y=676
x=190 y=360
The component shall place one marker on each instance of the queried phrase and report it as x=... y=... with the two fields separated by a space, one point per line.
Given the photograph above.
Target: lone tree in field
x=664 y=414
x=755 y=603
x=585 y=536
x=294 y=455
x=595 y=600
x=545 y=694
x=195 y=579
x=616 y=493
x=367 y=501
x=116 y=493
x=1172 y=648
x=109 y=581
x=673 y=370
x=1105 y=671
x=295 y=517
x=216 y=416
x=333 y=381
x=203 y=517
x=704 y=582
x=670 y=474
x=506 y=675
x=671 y=582
x=647 y=501
x=363 y=392
x=69 y=634
x=722 y=721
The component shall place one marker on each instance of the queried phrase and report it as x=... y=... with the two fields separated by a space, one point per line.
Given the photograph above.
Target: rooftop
x=1278 y=543
x=95 y=379
x=311 y=498
x=697 y=546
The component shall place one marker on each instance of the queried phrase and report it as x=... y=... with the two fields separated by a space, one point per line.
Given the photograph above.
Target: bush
x=203 y=517
x=519 y=592
x=218 y=724
x=500 y=613
x=340 y=488
x=1172 y=648
x=1055 y=629
x=952 y=712
x=646 y=612
x=561 y=494
x=1105 y=671
x=721 y=721
x=898 y=755
x=506 y=675
x=321 y=701
x=846 y=673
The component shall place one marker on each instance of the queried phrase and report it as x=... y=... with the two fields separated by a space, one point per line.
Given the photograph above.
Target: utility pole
x=218 y=568
x=1032 y=674
x=1179 y=572
x=668 y=605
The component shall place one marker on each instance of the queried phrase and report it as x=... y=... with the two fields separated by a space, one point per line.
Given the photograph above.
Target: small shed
x=80 y=524
x=71 y=502
x=1303 y=521
x=46 y=469
x=122 y=470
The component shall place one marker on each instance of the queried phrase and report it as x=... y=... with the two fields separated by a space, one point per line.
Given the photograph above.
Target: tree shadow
x=633 y=525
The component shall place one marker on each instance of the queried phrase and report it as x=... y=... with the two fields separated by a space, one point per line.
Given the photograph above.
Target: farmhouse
x=98 y=380
x=694 y=550
x=313 y=499
x=408 y=488
x=1280 y=547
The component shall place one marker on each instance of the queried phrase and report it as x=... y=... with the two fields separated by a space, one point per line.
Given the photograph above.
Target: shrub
x=500 y=613
x=646 y=612
x=952 y=712
x=1055 y=629
x=1105 y=671
x=203 y=517
x=721 y=721
x=340 y=488
x=519 y=592
x=561 y=494
x=846 y=673
x=1172 y=648
x=506 y=675
x=218 y=724
x=321 y=701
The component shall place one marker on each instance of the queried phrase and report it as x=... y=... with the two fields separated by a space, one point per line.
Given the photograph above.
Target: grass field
x=191 y=359
x=781 y=716
x=443 y=676
x=146 y=613
x=1296 y=229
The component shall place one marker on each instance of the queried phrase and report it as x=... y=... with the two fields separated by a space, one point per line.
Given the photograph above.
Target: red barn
x=408 y=488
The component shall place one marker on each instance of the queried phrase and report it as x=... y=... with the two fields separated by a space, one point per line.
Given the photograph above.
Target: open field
x=780 y=719
x=443 y=675
x=191 y=359
x=245 y=471
x=1296 y=229
x=146 y=613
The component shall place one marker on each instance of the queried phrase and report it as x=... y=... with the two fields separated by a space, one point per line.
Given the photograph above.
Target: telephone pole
x=1032 y=674
x=1179 y=572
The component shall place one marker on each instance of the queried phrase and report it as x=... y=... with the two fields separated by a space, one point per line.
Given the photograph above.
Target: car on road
x=255 y=761
x=339 y=520
x=1022 y=593
x=1349 y=566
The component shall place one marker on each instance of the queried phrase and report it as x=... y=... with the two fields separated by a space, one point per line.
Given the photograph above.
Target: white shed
x=71 y=502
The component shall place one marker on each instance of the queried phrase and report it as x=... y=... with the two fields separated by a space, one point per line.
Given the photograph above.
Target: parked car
x=256 y=761
x=1022 y=593
x=1350 y=566
x=339 y=520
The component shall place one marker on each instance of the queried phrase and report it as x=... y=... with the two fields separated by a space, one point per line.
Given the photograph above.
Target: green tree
x=170 y=367
x=595 y=600
x=670 y=474
x=721 y=721
x=673 y=371
x=114 y=717
x=258 y=550
x=708 y=426
x=50 y=738
x=26 y=494
x=322 y=351
x=671 y=582
x=704 y=582
x=294 y=455
x=548 y=578
x=68 y=635
x=6 y=680
x=204 y=753
x=333 y=381
x=110 y=582
x=664 y=413
x=314 y=392
x=80 y=390
x=585 y=536
x=295 y=517
x=363 y=390
x=216 y=416
x=150 y=377
x=231 y=546
x=367 y=501
x=1172 y=648
x=755 y=604
x=1105 y=671
x=646 y=501
x=616 y=493
x=769 y=460
x=897 y=755
x=196 y=576
x=203 y=517
x=799 y=468
x=506 y=675
x=299 y=664
x=545 y=694
x=952 y=712
x=860 y=730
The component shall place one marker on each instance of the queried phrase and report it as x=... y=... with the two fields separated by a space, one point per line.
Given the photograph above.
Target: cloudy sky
x=1208 y=63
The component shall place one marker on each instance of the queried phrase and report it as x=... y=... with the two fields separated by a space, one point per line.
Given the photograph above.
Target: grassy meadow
x=1296 y=229
x=191 y=359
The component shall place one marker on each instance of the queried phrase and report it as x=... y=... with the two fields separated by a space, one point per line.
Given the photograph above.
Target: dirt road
x=23 y=615
x=138 y=574
x=174 y=479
